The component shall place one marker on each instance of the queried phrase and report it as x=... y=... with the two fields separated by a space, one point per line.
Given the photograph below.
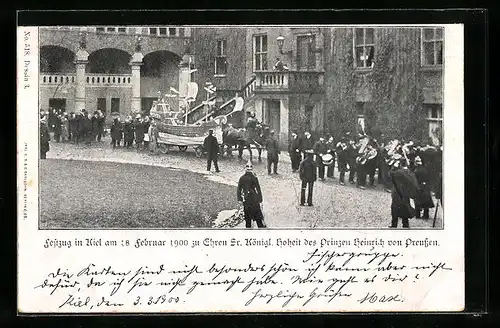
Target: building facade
x=384 y=80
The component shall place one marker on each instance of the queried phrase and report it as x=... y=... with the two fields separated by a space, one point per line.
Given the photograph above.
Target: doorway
x=59 y=104
x=272 y=115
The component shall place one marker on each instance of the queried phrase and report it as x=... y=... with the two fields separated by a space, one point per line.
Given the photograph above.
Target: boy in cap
x=250 y=196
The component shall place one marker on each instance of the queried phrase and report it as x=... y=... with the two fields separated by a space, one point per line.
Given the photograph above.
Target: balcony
x=92 y=80
x=289 y=81
x=108 y=80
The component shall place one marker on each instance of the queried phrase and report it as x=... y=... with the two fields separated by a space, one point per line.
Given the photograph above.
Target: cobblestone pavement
x=335 y=206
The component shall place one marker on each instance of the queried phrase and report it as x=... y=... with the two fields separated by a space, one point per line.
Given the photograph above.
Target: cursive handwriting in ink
x=75 y=302
x=373 y=297
x=60 y=273
x=90 y=271
x=287 y=295
x=59 y=284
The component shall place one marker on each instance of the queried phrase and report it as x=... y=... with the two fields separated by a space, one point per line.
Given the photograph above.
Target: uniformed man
x=211 y=146
x=249 y=195
x=273 y=151
x=294 y=147
x=320 y=149
x=308 y=175
x=342 y=159
x=307 y=143
x=424 y=200
x=352 y=153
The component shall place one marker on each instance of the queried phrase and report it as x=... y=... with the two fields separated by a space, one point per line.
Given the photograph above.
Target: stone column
x=135 y=65
x=80 y=64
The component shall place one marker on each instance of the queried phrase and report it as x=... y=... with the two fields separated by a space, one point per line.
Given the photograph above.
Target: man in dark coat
x=320 y=149
x=405 y=186
x=116 y=132
x=351 y=154
x=87 y=131
x=73 y=127
x=273 y=151
x=424 y=199
x=341 y=150
x=95 y=125
x=128 y=133
x=294 y=147
x=57 y=127
x=308 y=175
x=249 y=195
x=139 y=132
x=307 y=143
x=44 y=138
x=211 y=146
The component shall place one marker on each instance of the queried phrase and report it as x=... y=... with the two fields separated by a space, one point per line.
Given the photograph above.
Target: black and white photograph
x=241 y=127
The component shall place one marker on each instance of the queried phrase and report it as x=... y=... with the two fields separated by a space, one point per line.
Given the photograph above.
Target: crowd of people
x=403 y=168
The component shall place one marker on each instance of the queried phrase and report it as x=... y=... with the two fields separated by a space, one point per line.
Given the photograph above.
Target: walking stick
x=435 y=213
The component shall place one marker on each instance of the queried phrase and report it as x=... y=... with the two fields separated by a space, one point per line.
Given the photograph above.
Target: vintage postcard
x=256 y=168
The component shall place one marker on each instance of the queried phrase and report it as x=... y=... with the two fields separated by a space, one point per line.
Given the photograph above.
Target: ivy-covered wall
x=392 y=86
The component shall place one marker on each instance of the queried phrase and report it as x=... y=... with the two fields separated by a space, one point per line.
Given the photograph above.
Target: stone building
x=383 y=80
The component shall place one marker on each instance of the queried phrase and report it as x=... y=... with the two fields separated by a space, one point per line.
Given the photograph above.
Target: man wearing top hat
x=211 y=146
x=424 y=199
x=308 y=175
x=273 y=151
x=249 y=195
x=294 y=147
x=320 y=148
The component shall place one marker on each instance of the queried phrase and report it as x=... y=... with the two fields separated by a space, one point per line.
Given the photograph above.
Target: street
x=97 y=187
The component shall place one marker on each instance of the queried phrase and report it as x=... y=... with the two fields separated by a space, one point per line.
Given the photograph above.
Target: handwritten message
x=324 y=270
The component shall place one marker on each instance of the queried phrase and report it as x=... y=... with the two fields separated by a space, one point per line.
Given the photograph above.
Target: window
x=364 y=47
x=122 y=30
x=99 y=29
x=110 y=29
x=153 y=30
x=435 y=122
x=432 y=46
x=221 y=59
x=115 y=105
x=305 y=56
x=163 y=31
x=260 y=52
x=101 y=104
x=172 y=31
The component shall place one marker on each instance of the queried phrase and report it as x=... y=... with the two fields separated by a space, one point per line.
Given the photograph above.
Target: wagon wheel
x=163 y=148
x=198 y=151
x=183 y=148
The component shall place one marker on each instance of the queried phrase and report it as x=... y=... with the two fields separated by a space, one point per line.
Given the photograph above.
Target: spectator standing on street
x=294 y=151
x=64 y=127
x=273 y=151
x=342 y=159
x=116 y=132
x=73 y=127
x=139 y=132
x=147 y=123
x=100 y=125
x=211 y=146
x=308 y=175
x=249 y=195
x=404 y=187
x=87 y=123
x=424 y=200
x=153 y=136
x=331 y=148
x=128 y=132
x=95 y=126
x=44 y=138
x=320 y=149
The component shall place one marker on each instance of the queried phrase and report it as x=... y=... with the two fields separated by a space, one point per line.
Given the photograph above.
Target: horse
x=245 y=138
